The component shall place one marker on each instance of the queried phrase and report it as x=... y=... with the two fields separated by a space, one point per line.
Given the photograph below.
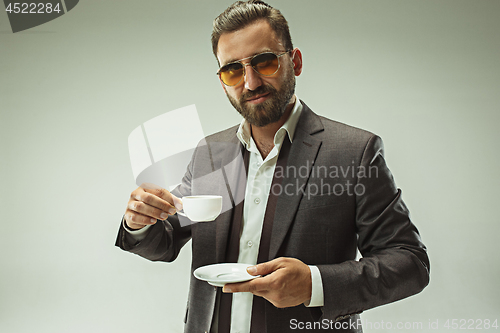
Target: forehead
x=253 y=39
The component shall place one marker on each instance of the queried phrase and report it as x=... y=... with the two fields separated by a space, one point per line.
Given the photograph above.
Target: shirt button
x=258 y=164
x=250 y=243
x=257 y=201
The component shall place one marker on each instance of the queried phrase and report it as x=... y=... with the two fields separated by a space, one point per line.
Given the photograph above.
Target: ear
x=297 y=61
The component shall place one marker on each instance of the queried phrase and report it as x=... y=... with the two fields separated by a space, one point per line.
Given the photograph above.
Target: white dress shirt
x=260 y=176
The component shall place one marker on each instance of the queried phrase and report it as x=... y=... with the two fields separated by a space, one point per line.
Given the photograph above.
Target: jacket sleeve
x=164 y=239
x=394 y=262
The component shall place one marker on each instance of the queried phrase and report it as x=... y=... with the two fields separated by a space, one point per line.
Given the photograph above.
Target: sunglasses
x=265 y=64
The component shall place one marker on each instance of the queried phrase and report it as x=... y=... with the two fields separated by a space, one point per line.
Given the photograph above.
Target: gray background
x=424 y=75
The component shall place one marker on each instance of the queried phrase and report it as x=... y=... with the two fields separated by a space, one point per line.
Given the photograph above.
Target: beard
x=273 y=108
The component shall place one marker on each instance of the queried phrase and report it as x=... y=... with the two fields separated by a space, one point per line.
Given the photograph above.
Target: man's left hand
x=284 y=282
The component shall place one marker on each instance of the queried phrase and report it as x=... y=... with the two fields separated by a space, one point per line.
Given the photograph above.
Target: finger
x=256 y=286
x=265 y=267
x=135 y=220
x=161 y=193
x=177 y=202
x=134 y=226
x=240 y=287
x=153 y=199
x=167 y=196
x=149 y=211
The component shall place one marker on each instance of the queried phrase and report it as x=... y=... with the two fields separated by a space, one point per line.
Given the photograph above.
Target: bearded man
x=301 y=244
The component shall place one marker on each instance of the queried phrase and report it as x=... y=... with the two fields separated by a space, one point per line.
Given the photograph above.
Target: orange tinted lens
x=266 y=63
x=231 y=74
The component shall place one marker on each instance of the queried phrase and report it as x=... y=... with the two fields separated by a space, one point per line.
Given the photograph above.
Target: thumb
x=177 y=202
x=263 y=268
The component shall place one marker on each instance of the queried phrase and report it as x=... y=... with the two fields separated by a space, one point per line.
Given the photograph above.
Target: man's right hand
x=146 y=206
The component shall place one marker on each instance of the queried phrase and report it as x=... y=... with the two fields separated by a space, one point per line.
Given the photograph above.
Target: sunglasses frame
x=278 y=56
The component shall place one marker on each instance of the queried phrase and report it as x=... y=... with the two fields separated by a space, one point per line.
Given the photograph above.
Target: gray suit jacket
x=338 y=195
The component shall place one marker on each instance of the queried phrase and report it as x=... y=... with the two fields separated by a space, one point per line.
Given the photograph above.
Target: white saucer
x=219 y=274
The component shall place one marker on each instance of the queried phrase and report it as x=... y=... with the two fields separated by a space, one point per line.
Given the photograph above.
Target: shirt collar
x=244 y=132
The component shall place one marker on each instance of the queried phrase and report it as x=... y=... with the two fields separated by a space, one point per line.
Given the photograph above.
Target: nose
x=252 y=79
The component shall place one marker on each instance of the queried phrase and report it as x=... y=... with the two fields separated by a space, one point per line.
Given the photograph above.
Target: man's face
x=261 y=100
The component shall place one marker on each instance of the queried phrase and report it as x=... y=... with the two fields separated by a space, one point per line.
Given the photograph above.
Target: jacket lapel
x=301 y=158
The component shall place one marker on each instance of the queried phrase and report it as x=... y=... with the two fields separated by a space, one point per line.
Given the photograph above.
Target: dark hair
x=242 y=13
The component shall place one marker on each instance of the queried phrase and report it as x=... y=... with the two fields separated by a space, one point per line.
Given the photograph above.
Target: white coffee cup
x=201 y=208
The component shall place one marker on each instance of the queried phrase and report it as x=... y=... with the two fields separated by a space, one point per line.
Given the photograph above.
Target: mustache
x=259 y=91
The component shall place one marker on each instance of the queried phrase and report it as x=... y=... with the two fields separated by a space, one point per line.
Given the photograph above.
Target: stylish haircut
x=242 y=13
